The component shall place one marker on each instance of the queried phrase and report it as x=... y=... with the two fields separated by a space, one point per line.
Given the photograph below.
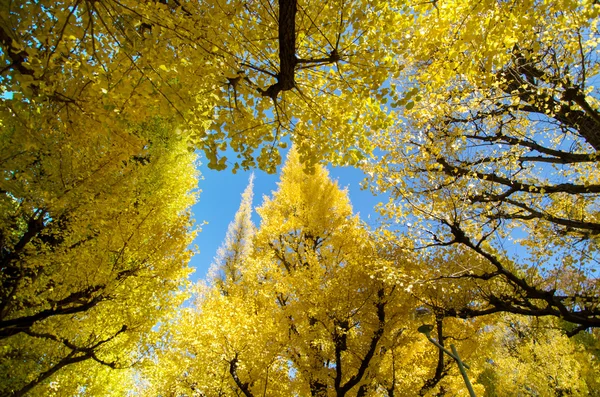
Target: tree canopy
x=314 y=310
x=94 y=240
x=247 y=77
x=479 y=120
x=310 y=311
x=498 y=154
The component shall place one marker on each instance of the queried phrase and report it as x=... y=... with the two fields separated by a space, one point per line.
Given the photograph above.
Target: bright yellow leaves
x=133 y=59
x=312 y=311
x=496 y=150
x=94 y=232
x=532 y=357
x=305 y=303
x=498 y=155
x=337 y=70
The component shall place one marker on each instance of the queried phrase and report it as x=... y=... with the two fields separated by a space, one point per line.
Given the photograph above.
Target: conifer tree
x=237 y=245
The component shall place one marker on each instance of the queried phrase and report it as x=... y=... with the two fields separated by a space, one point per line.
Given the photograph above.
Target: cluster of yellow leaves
x=311 y=307
x=94 y=228
x=210 y=65
x=497 y=144
x=534 y=357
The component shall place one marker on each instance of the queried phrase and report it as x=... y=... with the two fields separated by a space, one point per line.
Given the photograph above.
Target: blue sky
x=220 y=199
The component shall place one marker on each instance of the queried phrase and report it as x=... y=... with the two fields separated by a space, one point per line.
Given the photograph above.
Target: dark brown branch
x=72 y=358
x=176 y=5
x=76 y=355
x=482 y=276
x=364 y=364
x=243 y=386
x=441 y=370
x=318 y=388
x=561 y=156
x=74 y=347
x=569 y=188
x=526 y=295
x=576 y=330
x=76 y=302
x=35 y=225
x=18 y=57
x=332 y=58
x=586 y=122
x=287 y=50
x=594 y=228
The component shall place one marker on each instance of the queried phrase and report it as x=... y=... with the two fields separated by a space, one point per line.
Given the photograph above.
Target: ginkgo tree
x=494 y=149
x=532 y=356
x=318 y=306
x=323 y=261
x=94 y=232
x=235 y=74
x=312 y=309
x=495 y=152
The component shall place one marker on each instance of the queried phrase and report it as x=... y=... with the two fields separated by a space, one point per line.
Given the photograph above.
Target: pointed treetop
x=237 y=245
x=310 y=199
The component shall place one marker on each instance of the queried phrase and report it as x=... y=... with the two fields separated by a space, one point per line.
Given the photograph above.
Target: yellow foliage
x=497 y=151
x=94 y=232
x=216 y=66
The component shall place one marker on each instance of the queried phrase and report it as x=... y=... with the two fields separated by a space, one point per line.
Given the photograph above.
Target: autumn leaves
x=479 y=118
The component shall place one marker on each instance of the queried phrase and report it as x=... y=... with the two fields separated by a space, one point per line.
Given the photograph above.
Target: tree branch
x=243 y=386
x=516 y=186
x=586 y=122
x=553 y=304
x=76 y=302
x=364 y=364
